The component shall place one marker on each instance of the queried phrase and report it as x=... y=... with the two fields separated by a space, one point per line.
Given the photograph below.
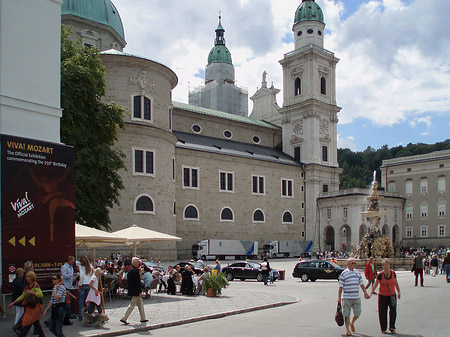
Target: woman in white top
x=85 y=278
x=94 y=297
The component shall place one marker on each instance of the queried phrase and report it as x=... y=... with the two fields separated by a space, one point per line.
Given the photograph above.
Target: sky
x=393 y=77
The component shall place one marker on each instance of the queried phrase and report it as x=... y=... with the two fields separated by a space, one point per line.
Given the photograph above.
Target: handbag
x=339 y=318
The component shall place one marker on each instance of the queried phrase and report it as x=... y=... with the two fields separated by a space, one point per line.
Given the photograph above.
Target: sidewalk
x=164 y=310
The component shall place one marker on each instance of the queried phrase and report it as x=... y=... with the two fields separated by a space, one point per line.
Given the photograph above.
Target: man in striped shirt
x=350 y=281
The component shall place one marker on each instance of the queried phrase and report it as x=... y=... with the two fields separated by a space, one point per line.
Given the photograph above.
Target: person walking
x=94 y=297
x=350 y=281
x=446 y=266
x=387 y=298
x=218 y=267
x=265 y=270
x=370 y=272
x=85 y=278
x=434 y=265
x=418 y=268
x=68 y=275
x=57 y=303
x=32 y=297
x=134 y=291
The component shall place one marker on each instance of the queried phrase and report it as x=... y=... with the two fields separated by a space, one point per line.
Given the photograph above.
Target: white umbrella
x=138 y=236
x=95 y=238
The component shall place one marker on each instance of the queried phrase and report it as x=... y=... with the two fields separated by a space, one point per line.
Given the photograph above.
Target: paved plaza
x=291 y=308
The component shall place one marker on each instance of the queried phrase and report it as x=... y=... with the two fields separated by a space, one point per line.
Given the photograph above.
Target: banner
x=37 y=207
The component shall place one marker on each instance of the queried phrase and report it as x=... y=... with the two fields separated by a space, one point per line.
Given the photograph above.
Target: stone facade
x=422 y=180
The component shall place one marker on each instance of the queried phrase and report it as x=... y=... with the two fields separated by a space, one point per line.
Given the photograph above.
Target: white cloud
x=347 y=142
x=393 y=54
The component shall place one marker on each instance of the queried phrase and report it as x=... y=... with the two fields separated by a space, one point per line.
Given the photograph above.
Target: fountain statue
x=374 y=243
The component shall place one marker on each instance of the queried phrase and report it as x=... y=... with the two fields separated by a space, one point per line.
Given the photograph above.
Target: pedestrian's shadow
x=397 y=334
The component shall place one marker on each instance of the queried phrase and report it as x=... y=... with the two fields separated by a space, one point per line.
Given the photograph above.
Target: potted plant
x=214 y=284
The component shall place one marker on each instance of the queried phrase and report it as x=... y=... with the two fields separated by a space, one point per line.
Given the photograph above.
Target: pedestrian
x=17 y=289
x=94 y=297
x=370 y=272
x=434 y=265
x=387 y=298
x=85 y=278
x=265 y=270
x=218 y=267
x=32 y=298
x=446 y=266
x=68 y=276
x=418 y=268
x=57 y=303
x=350 y=281
x=134 y=291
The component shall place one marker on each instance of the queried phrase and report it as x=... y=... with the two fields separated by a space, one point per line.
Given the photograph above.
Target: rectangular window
x=396 y=213
x=424 y=231
x=137 y=106
x=441 y=209
x=303 y=234
x=325 y=188
x=147 y=109
x=441 y=231
x=190 y=177
x=226 y=183
x=441 y=184
x=143 y=163
x=303 y=205
x=441 y=165
x=286 y=187
x=324 y=153
x=258 y=185
x=328 y=213
x=424 y=186
x=409 y=212
x=303 y=219
x=170 y=118
x=423 y=211
x=297 y=153
x=408 y=169
x=302 y=188
x=409 y=232
x=391 y=187
x=173 y=169
x=391 y=172
x=345 y=212
x=408 y=187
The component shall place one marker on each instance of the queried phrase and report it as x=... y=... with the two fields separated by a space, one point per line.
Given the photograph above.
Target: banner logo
x=22 y=205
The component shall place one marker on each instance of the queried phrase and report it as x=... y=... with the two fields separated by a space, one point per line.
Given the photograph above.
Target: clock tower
x=309 y=113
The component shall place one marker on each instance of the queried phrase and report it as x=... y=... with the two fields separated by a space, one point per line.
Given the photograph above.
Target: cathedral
x=205 y=170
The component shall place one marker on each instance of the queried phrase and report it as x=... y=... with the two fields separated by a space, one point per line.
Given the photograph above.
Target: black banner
x=37 y=207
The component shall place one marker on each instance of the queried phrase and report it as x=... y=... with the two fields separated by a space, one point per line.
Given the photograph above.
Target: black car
x=317 y=269
x=153 y=266
x=246 y=270
x=197 y=267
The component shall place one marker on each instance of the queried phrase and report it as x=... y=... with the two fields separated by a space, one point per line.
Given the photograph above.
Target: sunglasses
x=54 y=278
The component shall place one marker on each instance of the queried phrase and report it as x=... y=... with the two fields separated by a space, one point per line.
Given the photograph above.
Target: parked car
x=197 y=267
x=153 y=266
x=246 y=270
x=317 y=269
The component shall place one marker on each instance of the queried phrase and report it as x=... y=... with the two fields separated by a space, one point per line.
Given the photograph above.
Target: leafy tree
x=90 y=126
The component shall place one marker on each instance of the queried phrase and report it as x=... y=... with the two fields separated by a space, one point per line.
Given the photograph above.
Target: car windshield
x=197 y=265
x=254 y=265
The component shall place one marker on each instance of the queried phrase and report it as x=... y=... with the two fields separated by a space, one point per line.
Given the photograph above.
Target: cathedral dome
x=219 y=54
x=308 y=11
x=101 y=11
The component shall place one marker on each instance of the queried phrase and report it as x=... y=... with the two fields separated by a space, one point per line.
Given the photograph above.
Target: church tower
x=220 y=92
x=309 y=113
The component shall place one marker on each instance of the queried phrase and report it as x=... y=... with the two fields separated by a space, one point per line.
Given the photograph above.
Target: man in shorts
x=350 y=281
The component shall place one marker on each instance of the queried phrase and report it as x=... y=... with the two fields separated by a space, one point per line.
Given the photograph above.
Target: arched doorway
x=362 y=231
x=346 y=238
x=329 y=239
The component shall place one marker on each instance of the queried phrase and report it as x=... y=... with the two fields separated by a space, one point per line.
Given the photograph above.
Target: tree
x=90 y=126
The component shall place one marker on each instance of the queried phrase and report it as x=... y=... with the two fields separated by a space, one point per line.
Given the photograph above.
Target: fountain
x=374 y=243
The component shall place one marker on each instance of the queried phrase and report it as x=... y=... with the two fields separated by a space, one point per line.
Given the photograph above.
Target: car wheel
x=259 y=277
x=304 y=277
x=230 y=277
x=242 y=279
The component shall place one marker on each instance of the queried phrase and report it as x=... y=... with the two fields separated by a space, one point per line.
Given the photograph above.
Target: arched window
x=191 y=212
x=298 y=86
x=144 y=204
x=142 y=108
x=258 y=216
x=323 y=86
x=226 y=214
x=287 y=217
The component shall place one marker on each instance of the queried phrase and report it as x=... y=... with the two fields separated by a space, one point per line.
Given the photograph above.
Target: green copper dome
x=101 y=11
x=220 y=53
x=308 y=11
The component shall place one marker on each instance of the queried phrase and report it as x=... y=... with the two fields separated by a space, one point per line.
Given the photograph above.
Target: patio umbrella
x=95 y=238
x=138 y=236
